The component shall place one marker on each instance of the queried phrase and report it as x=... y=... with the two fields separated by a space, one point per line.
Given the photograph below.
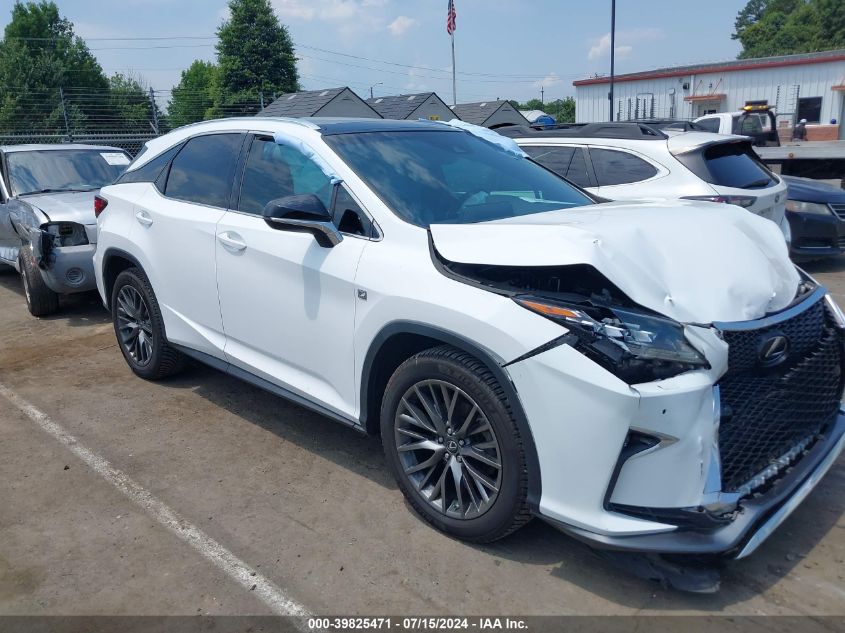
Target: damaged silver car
x=48 y=229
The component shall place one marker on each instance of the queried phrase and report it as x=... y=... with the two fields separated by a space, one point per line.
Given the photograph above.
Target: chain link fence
x=123 y=117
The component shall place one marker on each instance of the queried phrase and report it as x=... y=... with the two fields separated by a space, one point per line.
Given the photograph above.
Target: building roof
x=477 y=113
x=301 y=104
x=401 y=106
x=728 y=66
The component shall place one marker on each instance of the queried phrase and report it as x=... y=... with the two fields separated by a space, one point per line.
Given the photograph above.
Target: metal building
x=489 y=113
x=425 y=105
x=335 y=102
x=809 y=86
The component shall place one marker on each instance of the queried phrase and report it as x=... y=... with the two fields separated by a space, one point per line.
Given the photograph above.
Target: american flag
x=451 y=25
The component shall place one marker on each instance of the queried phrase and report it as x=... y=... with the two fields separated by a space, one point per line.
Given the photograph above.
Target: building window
x=810 y=108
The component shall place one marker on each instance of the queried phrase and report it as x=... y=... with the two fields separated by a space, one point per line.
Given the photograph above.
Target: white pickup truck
x=758 y=122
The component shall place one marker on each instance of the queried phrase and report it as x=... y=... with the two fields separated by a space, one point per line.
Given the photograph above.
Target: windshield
x=63 y=170
x=432 y=177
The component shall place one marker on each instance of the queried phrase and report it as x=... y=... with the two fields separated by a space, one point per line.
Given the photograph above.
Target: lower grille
x=841 y=242
x=768 y=411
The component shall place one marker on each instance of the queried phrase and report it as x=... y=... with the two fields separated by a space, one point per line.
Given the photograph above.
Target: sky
x=504 y=48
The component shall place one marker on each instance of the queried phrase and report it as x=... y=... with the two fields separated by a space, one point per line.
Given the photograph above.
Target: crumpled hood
x=694 y=262
x=71 y=206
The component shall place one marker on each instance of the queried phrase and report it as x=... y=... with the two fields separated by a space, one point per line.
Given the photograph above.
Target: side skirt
x=266 y=385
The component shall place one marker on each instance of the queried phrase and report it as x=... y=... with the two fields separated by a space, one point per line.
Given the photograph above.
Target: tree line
x=50 y=80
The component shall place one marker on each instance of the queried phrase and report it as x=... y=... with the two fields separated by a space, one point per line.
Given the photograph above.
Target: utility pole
x=64 y=113
x=543 y=95
x=612 y=53
x=154 y=110
x=373 y=86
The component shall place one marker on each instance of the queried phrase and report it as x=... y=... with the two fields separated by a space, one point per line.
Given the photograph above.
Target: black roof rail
x=626 y=129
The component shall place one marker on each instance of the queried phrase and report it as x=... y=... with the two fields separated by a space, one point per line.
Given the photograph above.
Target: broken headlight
x=66 y=234
x=635 y=346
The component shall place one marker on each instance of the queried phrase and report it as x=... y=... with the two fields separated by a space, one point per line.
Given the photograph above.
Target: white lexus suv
x=655 y=377
x=638 y=161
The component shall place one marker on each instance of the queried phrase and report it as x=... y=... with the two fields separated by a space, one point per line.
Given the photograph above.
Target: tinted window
x=568 y=162
x=429 y=177
x=619 y=168
x=736 y=165
x=728 y=165
x=64 y=170
x=710 y=125
x=348 y=216
x=202 y=171
x=275 y=171
x=151 y=170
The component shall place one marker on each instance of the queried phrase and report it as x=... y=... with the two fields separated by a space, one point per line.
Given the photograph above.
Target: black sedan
x=816 y=215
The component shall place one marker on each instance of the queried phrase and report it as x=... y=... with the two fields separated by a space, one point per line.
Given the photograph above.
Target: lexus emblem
x=773 y=350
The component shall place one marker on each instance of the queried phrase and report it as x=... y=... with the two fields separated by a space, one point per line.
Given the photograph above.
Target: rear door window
x=568 y=162
x=203 y=171
x=619 y=168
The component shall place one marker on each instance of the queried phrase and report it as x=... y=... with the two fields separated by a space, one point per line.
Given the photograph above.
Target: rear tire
x=451 y=440
x=40 y=299
x=139 y=328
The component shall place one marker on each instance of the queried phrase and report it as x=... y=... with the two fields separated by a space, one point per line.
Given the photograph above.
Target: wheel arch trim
x=110 y=254
x=369 y=418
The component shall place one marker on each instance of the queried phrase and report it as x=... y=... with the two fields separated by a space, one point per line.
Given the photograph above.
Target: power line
x=524 y=77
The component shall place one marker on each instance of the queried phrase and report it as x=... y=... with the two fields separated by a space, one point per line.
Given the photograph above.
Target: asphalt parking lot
x=295 y=499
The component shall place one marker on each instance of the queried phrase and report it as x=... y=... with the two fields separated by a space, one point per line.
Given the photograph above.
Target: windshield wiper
x=50 y=190
x=756 y=183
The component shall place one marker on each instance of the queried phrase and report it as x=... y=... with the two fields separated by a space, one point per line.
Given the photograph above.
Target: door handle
x=228 y=241
x=144 y=218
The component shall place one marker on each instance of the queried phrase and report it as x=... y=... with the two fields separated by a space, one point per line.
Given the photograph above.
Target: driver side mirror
x=304 y=213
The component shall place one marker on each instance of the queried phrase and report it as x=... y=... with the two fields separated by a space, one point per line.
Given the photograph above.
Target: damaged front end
x=52 y=235
x=633 y=343
x=713 y=439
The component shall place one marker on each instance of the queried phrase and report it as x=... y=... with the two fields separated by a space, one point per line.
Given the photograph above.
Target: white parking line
x=225 y=560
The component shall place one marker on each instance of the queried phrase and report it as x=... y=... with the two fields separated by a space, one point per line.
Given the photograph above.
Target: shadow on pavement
x=538 y=543
x=84 y=308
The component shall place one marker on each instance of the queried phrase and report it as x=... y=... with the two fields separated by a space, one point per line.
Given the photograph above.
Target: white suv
x=636 y=161
x=653 y=377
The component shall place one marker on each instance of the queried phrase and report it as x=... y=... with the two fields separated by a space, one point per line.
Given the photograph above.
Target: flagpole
x=454 y=81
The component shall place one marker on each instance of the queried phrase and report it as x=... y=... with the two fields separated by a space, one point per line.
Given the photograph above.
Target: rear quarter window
x=619 y=168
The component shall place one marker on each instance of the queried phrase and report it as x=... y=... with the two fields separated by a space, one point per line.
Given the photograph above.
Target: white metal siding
x=813 y=80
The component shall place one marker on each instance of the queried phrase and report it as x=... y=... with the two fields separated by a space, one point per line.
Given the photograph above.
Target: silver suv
x=48 y=230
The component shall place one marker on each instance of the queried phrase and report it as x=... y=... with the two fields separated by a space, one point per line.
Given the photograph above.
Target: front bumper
x=70 y=269
x=758 y=517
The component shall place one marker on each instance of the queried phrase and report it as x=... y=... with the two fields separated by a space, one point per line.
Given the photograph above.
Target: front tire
x=139 y=328
x=40 y=299
x=451 y=440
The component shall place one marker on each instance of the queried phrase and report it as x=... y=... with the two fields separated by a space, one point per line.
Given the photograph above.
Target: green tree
x=785 y=27
x=39 y=54
x=254 y=52
x=194 y=97
x=129 y=107
x=563 y=110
